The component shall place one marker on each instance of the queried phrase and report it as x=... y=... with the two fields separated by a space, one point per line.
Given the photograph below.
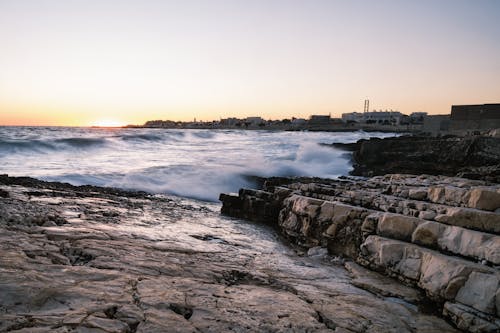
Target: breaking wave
x=190 y=163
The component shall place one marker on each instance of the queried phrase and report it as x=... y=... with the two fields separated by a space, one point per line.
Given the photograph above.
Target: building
x=436 y=124
x=383 y=117
x=353 y=117
x=255 y=121
x=417 y=117
x=298 y=121
x=319 y=120
x=375 y=117
x=229 y=121
x=475 y=117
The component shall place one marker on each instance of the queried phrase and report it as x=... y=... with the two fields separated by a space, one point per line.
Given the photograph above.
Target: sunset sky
x=72 y=62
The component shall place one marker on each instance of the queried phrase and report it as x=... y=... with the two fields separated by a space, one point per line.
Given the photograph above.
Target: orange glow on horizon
x=93 y=63
x=108 y=123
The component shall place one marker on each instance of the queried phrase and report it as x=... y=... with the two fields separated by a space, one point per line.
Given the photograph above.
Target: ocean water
x=189 y=163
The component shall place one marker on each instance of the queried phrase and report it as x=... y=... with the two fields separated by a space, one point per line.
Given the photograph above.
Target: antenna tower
x=367 y=105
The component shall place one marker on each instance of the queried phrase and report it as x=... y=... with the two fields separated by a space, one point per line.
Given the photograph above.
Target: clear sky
x=82 y=62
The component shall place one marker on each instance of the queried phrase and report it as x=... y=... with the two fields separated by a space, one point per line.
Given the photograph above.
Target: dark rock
x=347 y=146
x=471 y=157
x=254 y=205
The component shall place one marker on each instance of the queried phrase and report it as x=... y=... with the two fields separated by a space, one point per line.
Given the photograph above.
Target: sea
x=190 y=163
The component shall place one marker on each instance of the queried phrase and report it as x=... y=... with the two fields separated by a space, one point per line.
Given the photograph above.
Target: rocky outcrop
x=475 y=157
x=435 y=233
x=88 y=259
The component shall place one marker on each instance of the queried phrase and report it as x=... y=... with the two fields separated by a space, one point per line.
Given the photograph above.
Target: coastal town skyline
x=127 y=62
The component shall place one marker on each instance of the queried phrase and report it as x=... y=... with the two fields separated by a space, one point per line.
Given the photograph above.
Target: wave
x=208 y=181
x=205 y=134
x=81 y=142
x=141 y=137
x=190 y=163
x=13 y=146
x=9 y=146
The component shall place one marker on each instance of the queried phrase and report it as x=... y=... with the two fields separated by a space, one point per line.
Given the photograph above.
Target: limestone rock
x=397 y=226
x=480 y=291
x=471 y=219
x=417 y=194
x=484 y=199
x=467 y=319
x=427 y=234
x=427 y=215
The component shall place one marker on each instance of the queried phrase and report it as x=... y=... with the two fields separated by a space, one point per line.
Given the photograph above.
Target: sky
x=88 y=62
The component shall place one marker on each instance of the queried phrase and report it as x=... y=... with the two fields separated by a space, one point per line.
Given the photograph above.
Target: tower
x=367 y=105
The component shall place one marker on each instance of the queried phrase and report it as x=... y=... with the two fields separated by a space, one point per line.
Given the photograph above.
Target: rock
x=480 y=291
x=382 y=285
x=476 y=157
x=470 y=243
x=105 y=324
x=305 y=206
x=416 y=229
x=370 y=224
x=427 y=215
x=317 y=251
x=441 y=276
x=436 y=194
x=450 y=195
x=484 y=199
x=397 y=226
x=164 y=264
x=467 y=319
x=417 y=194
x=49 y=224
x=471 y=219
x=427 y=234
x=130 y=314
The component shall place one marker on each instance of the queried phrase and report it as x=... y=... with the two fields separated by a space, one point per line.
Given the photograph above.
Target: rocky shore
x=89 y=259
x=473 y=157
x=438 y=236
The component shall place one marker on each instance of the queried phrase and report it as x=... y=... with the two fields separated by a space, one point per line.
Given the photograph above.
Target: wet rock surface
x=474 y=157
x=99 y=260
x=437 y=235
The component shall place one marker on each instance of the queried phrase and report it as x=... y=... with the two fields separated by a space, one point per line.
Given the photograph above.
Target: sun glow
x=108 y=123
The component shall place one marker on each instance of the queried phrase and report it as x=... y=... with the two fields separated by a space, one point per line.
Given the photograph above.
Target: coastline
x=112 y=260
x=94 y=259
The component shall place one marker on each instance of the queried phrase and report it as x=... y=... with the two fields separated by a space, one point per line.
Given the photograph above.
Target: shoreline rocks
x=473 y=157
x=103 y=260
x=435 y=233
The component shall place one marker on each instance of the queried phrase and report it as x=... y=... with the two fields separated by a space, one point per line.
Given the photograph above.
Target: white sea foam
x=191 y=163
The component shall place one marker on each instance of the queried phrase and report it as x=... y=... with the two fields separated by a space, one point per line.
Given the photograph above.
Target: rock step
x=427 y=180
x=469 y=319
x=442 y=277
x=463 y=242
x=469 y=218
x=312 y=222
x=420 y=230
x=462 y=193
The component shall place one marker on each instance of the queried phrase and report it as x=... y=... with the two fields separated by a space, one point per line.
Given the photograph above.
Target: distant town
x=462 y=118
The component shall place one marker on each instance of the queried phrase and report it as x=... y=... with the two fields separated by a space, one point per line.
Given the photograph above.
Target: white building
x=374 y=117
x=353 y=117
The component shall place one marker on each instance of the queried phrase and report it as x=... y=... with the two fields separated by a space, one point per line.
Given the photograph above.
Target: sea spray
x=190 y=163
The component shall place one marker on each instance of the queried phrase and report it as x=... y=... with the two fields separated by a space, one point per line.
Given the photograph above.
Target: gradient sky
x=71 y=62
